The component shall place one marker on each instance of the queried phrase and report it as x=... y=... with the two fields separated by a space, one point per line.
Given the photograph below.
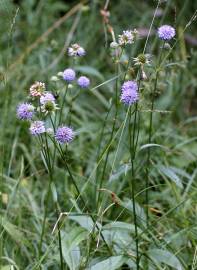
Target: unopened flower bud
x=54 y=78
x=114 y=45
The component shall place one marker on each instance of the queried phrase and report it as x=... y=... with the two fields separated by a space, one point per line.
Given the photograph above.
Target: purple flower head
x=69 y=75
x=129 y=93
x=129 y=85
x=47 y=97
x=25 y=111
x=83 y=82
x=76 y=50
x=37 y=127
x=64 y=135
x=81 y=51
x=166 y=32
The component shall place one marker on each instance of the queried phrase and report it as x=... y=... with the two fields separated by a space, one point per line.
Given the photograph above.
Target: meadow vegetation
x=108 y=179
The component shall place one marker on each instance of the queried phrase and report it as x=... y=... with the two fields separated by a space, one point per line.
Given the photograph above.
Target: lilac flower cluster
x=47 y=104
x=25 y=111
x=47 y=97
x=37 y=128
x=83 y=82
x=127 y=37
x=76 y=50
x=47 y=101
x=129 y=90
x=166 y=32
x=64 y=135
x=129 y=93
x=69 y=76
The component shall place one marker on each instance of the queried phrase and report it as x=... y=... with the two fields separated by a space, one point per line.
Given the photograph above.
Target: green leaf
x=70 y=248
x=90 y=71
x=13 y=231
x=149 y=145
x=127 y=203
x=169 y=172
x=7 y=267
x=84 y=221
x=54 y=192
x=159 y=256
x=122 y=170
x=111 y=263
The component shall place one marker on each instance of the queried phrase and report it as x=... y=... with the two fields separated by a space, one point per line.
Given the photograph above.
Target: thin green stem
x=133 y=141
x=47 y=198
x=71 y=107
x=59 y=241
x=62 y=106
x=46 y=152
x=150 y=136
x=112 y=132
x=79 y=195
x=132 y=182
x=99 y=150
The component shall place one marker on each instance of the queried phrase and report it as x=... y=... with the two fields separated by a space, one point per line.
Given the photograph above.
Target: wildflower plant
x=121 y=178
x=45 y=116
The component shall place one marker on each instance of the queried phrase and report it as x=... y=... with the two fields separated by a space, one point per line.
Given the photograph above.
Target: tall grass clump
x=98 y=135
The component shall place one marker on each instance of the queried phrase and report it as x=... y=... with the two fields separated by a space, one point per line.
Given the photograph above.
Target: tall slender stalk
x=79 y=195
x=132 y=147
x=59 y=241
x=62 y=105
x=99 y=150
x=113 y=129
x=46 y=154
x=132 y=182
x=150 y=135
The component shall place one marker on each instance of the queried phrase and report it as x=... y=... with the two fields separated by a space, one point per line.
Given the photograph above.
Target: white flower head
x=127 y=37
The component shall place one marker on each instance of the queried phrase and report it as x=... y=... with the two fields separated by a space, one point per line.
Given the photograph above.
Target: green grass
x=34 y=36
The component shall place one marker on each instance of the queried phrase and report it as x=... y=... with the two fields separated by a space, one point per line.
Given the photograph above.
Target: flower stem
x=150 y=136
x=113 y=129
x=132 y=182
x=47 y=157
x=62 y=106
x=79 y=195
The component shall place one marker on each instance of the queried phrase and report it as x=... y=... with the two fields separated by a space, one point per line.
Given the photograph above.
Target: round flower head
x=48 y=103
x=83 y=82
x=69 y=75
x=81 y=51
x=76 y=50
x=37 y=89
x=166 y=32
x=49 y=107
x=25 y=111
x=37 y=127
x=142 y=59
x=114 y=45
x=64 y=135
x=129 y=93
x=127 y=37
x=47 y=97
